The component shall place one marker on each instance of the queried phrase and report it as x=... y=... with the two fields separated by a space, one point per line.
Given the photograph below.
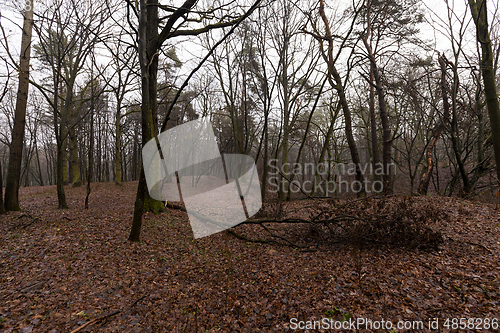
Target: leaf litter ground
x=63 y=269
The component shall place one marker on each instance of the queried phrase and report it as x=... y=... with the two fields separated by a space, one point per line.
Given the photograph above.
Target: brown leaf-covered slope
x=61 y=269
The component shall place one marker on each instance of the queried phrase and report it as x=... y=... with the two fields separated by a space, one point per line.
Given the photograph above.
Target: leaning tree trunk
x=336 y=82
x=479 y=14
x=16 y=148
x=348 y=127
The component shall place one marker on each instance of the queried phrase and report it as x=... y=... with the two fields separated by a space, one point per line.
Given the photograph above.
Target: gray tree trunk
x=16 y=148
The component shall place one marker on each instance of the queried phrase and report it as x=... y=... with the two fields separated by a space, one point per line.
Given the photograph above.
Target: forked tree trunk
x=384 y=117
x=426 y=177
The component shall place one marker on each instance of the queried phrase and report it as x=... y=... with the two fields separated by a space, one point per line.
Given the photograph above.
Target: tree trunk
x=65 y=161
x=76 y=179
x=61 y=196
x=324 y=149
x=384 y=117
x=16 y=148
x=91 y=147
x=148 y=60
x=61 y=132
x=373 y=119
x=455 y=135
x=348 y=126
x=149 y=44
x=336 y=82
x=2 y=209
x=286 y=115
x=426 y=177
x=373 y=126
x=479 y=14
x=118 y=148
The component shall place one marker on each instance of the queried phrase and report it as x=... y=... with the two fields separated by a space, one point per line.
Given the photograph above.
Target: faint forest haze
x=379 y=83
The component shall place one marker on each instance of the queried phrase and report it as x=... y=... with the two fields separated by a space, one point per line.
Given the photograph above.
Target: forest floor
x=63 y=269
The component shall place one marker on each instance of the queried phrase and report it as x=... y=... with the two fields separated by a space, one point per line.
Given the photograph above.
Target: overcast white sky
x=436 y=13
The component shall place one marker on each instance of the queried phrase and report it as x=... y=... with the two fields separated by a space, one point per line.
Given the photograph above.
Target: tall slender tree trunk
x=480 y=16
x=371 y=101
x=90 y=173
x=384 y=117
x=76 y=179
x=455 y=134
x=135 y=157
x=61 y=132
x=61 y=152
x=16 y=148
x=286 y=115
x=482 y=160
x=65 y=165
x=118 y=148
x=373 y=125
x=2 y=208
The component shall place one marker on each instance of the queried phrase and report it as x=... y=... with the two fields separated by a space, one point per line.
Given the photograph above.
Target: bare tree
x=67 y=36
x=150 y=43
x=123 y=64
x=336 y=82
x=480 y=15
x=16 y=147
